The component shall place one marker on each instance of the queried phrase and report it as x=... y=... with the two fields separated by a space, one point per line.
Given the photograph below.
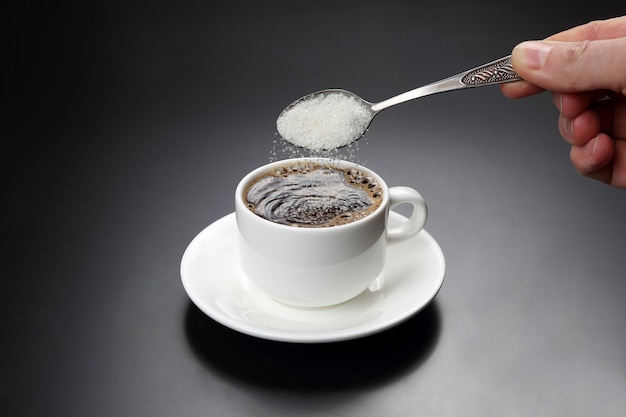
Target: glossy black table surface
x=127 y=125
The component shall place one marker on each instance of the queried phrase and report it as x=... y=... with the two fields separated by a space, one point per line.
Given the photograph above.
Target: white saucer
x=213 y=280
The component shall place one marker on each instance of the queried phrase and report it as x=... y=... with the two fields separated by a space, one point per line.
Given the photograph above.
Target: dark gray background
x=125 y=128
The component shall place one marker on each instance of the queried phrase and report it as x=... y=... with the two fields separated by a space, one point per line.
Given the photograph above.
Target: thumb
x=570 y=67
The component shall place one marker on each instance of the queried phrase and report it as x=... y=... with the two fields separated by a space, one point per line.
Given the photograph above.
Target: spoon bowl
x=332 y=118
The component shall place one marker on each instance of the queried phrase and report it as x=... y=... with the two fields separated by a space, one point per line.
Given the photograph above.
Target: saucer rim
x=324 y=336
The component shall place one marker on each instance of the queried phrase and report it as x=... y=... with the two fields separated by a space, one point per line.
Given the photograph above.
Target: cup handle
x=415 y=223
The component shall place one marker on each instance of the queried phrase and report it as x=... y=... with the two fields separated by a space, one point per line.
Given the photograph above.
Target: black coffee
x=314 y=195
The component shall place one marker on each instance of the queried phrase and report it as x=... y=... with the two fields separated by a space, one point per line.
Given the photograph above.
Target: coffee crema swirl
x=313 y=195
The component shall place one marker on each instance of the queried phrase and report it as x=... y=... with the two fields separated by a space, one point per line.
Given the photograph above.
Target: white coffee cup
x=321 y=266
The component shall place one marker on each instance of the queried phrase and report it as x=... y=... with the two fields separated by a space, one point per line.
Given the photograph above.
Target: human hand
x=584 y=68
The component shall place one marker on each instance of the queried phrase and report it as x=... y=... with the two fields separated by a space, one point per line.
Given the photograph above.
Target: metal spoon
x=495 y=72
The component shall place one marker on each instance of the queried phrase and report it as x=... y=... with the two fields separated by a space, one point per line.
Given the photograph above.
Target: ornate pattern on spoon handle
x=496 y=72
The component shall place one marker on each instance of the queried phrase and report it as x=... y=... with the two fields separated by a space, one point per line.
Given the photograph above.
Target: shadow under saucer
x=362 y=362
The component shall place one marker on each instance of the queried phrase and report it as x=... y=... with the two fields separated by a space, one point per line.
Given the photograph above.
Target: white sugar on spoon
x=325 y=120
x=333 y=118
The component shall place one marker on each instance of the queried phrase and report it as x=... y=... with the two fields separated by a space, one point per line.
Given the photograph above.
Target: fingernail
x=568 y=127
x=532 y=53
x=595 y=145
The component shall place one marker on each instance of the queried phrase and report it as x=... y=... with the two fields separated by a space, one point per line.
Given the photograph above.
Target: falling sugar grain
x=321 y=122
x=281 y=149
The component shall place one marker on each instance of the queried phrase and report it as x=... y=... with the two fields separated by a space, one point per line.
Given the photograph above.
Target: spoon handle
x=495 y=72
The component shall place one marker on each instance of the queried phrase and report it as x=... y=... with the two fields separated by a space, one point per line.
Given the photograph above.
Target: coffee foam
x=311 y=194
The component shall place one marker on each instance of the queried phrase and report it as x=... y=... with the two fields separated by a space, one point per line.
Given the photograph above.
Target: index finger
x=595 y=30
